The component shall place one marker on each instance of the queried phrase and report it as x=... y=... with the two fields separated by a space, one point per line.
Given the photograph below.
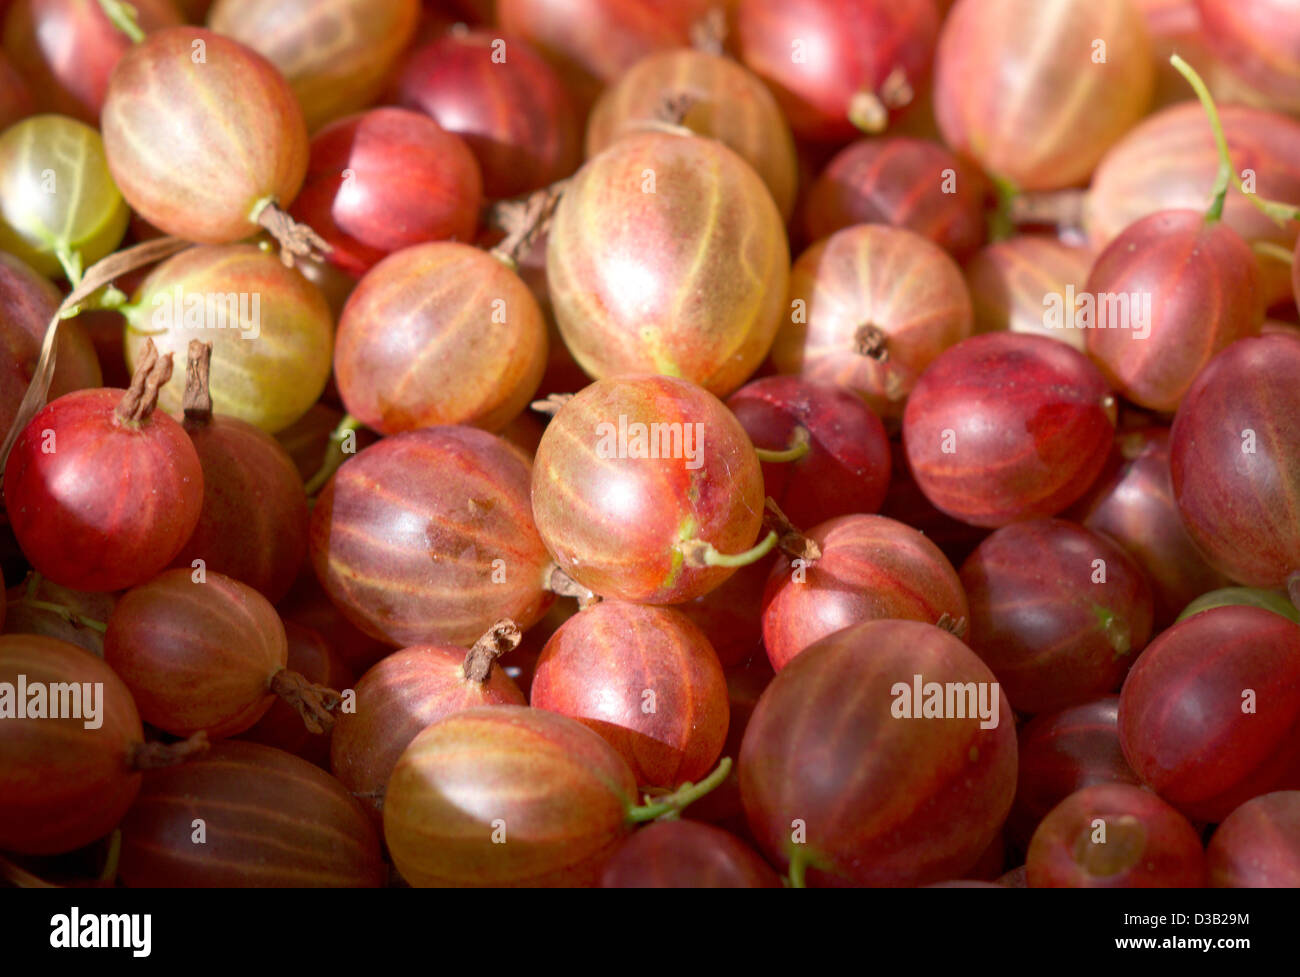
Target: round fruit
x=66 y=770
x=686 y=855
x=641 y=484
x=504 y=101
x=911 y=183
x=1058 y=612
x=1032 y=283
x=1260 y=41
x=101 y=490
x=645 y=679
x=59 y=207
x=439 y=334
x=731 y=615
x=253 y=524
x=592 y=42
x=1007 y=426
x=1235 y=460
x=1041 y=123
x=836 y=451
x=839 y=66
x=1062 y=752
x=384 y=180
x=203 y=135
x=428 y=537
x=870 y=308
x=553 y=791
x=1258 y=845
x=201 y=651
x=871 y=568
x=718 y=98
x=1170 y=292
x=667 y=255
x=407 y=691
x=66 y=49
x=1115 y=836
x=269 y=820
x=336 y=54
x=1135 y=506
x=1209 y=717
x=848 y=770
x=269 y=327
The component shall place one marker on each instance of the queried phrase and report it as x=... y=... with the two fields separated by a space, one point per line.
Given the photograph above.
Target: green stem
x=1273 y=209
x=68 y=615
x=70 y=262
x=1271 y=249
x=123 y=17
x=108 y=876
x=799 y=447
x=673 y=804
x=1001 y=224
x=1224 y=177
x=334 y=454
x=799 y=868
x=701 y=554
x=110 y=298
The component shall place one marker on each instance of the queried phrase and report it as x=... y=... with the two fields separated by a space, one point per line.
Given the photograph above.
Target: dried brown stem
x=709 y=33
x=790 y=540
x=315 y=703
x=197 y=403
x=502 y=637
x=563 y=585
x=155 y=756
x=1058 y=208
x=870 y=340
x=151 y=373
x=954 y=626
x=524 y=221
x=295 y=240
x=551 y=405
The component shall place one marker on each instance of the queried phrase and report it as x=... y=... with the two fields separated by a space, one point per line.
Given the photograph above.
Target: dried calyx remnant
x=315 y=703
x=153 y=756
x=295 y=240
x=525 y=221
x=197 y=403
x=502 y=637
x=151 y=374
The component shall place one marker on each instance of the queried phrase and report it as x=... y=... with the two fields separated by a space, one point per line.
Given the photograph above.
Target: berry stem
x=108 y=874
x=20 y=878
x=671 y=805
x=698 y=553
x=524 y=222
x=73 y=618
x=123 y=17
x=197 y=403
x=151 y=373
x=799 y=868
x=152 y=756
x=1271 y=249
x=296 y=240
x=502 y=637
x=1274 y=210
x=562 y=585
x=334 y=453
x=790 y=540
x=315 y=703
x=800 y=442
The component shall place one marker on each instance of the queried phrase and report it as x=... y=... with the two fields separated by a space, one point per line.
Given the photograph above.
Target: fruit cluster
x=718 y=443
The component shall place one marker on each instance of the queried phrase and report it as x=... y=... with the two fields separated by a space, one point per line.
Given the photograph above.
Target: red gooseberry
x=644 y=486
x=268 y=819
x=1008 y=426
x=202 y=651
x=686 y=855
x=1258 y=845
x=407 y=691
x=870 y=568
x=102 y=490
x=385 y=180
x=645 y=679
x=1056 y=611
x=824 y=452
x=1115 y=836
x=885 y=754
x=1209 y=717
x=428 y=537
